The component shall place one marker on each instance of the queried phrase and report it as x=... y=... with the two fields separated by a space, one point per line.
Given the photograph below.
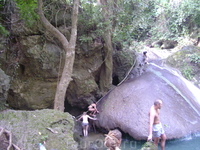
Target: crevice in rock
x=115 y=80
x=22 y=68
x=74 y=111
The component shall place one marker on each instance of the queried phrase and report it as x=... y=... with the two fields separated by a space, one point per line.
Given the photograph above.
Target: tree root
x=6 y=140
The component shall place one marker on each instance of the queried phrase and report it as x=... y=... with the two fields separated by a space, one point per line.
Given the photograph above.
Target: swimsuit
x=84 y=123
x=158 y=130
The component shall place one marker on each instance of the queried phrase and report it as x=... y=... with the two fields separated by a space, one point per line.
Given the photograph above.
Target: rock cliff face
x=34 y=60
x=127 y=106
x=4 y=86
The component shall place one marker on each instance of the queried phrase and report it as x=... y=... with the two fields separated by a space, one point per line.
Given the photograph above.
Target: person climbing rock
x=93 y=109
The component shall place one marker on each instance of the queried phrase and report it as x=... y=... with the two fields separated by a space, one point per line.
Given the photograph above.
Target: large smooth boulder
x=127 y=106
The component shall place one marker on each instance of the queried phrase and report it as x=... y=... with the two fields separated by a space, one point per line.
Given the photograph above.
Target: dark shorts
x=84 y=124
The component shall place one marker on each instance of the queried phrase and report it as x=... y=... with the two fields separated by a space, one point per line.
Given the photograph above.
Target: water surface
x=191 y=142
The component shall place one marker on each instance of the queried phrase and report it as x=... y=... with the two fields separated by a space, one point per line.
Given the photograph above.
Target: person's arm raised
x=92 y=118
x=79 y=118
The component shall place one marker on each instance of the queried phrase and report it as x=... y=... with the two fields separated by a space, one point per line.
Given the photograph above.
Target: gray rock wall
x=34 y=60
x=4 y=85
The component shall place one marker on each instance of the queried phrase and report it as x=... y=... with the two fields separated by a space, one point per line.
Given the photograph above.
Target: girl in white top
x=85 y=123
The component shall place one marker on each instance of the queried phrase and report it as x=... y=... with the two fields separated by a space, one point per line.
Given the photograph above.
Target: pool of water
x=191 y=142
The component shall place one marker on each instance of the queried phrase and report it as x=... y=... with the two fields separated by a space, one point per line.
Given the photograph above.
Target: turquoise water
x=191 y=142
x=96 y=141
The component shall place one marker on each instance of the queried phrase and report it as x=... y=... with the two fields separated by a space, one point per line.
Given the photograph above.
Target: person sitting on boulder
x=85 y=123
x=145 y=58
x=113 y=140
x=93 y=109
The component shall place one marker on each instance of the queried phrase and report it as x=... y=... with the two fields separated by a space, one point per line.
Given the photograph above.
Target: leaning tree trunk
x=107 y=66
x=69 y=48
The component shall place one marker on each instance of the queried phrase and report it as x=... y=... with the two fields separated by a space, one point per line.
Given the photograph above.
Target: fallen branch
x=51 y=130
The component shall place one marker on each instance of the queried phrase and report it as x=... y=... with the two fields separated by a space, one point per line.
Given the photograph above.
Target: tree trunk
x=107 y=67
x=69 y=48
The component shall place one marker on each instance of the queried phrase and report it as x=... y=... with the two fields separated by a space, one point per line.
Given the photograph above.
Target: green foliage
x=3 y=105
x=3 y=31
x=90 y=20
x=195 y=58
x=183 y=16
x=84 y=39
x=43 y=138
x=132 y=22
x=179 y=18
x=160 y=19
x=187 y=72
x=129 y=20
x=2 y=2
x=27 y=10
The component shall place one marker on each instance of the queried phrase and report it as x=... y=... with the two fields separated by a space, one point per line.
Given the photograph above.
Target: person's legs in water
x=86 y=130
x=156 y=140
x=162 y=143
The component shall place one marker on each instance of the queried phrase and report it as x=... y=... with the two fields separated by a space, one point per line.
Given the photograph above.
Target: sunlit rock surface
x=127 y=105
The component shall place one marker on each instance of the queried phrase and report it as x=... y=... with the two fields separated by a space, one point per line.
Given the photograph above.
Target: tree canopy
x=133 y=19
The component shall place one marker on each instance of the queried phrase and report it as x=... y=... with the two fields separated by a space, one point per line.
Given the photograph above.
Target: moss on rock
x=32 y=127
x=149 y=146
x=187 y=60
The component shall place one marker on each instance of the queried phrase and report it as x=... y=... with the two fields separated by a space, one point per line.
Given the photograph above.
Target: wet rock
x=149 y=146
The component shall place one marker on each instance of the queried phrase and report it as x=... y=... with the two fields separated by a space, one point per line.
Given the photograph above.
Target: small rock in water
x=149 y=146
